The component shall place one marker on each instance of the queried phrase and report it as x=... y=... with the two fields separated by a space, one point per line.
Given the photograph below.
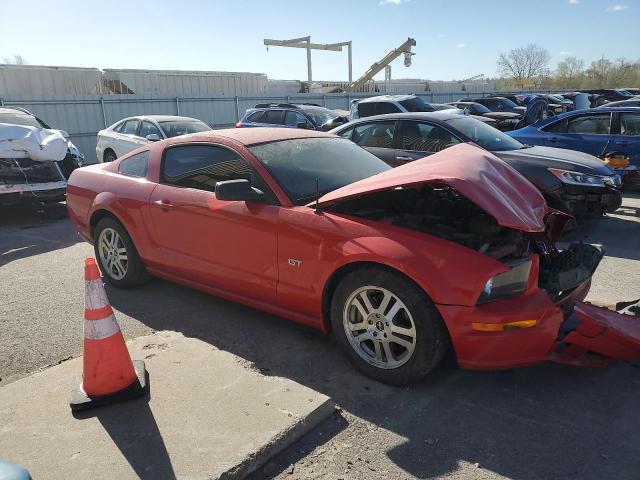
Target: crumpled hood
x=37 y=144
x=473 y=172
x=559 y=158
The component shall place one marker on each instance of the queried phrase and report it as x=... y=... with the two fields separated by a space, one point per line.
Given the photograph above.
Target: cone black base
x=81 y=401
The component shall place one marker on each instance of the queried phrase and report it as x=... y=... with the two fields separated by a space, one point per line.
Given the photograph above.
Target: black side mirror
x=237 y=190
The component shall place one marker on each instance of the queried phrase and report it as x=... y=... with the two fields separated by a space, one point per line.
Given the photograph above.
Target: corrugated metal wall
x=41 y=80
x=188 y=83
x=82 y=116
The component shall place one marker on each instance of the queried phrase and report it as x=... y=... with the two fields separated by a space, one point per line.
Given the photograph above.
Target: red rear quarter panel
x=99 y=187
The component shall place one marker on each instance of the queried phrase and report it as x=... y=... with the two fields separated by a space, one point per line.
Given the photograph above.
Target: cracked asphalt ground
x=544 y=422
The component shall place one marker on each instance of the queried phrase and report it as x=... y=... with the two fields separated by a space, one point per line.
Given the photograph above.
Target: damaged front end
x=29 y=165
x=531 y=312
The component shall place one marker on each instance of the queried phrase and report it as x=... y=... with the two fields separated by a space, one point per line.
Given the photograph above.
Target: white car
x=133 y=132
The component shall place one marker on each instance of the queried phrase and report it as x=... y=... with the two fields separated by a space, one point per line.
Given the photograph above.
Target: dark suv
x=497 y=104
x=309 y=116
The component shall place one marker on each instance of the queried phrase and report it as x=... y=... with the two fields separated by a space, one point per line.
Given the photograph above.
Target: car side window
x=292 y=119
x=366 y=109
x=202 y=166
x=425 y=137
x=136 y=165
x=387 y=107
x=630 y=124
x=347 y=133
x=118 y=128
x=590 y=124
x=375 y=134
x=256 y=117
x=148 y=128
x=130 y=127
x=273 y=117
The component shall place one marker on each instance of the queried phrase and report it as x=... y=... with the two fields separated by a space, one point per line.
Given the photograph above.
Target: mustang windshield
x=482 y=134
x=334 y=162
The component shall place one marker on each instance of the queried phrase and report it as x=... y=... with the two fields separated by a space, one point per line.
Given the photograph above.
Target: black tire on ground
x=431 y=340
x=615 y=203
x=136 y=273
x=109 y=156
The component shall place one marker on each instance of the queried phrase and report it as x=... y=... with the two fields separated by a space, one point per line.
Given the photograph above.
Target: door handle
x=554 y=139
x=164 y=204
x=622 y=142
x=404 y=158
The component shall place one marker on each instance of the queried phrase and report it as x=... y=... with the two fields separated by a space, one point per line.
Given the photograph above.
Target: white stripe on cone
x=94 y=295
x=100 y=329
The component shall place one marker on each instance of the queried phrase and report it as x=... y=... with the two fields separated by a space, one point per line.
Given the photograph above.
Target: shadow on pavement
x=134 y=431
x=548 y=421
x=24 y=233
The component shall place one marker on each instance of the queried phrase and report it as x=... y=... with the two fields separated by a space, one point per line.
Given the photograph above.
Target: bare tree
x=15 y=60
x=525 y=64
x=570 y=71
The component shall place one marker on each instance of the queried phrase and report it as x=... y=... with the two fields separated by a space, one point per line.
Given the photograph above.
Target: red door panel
x=228 y=245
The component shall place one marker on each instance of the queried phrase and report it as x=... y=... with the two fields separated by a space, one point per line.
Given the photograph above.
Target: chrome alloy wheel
x=379 y=327
x=113 y=253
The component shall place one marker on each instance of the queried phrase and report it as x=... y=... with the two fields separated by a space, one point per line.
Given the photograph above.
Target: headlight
x=507 y=284
x=577 y=178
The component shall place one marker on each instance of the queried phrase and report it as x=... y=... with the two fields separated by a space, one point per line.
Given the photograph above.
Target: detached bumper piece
x=593 y=336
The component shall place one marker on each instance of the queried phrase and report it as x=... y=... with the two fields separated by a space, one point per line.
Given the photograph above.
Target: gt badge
x=294 y=262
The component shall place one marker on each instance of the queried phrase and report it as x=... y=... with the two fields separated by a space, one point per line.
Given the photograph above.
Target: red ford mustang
x=454 y=250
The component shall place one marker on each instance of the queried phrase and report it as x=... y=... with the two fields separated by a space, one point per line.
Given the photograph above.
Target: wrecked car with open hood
x=453 y=251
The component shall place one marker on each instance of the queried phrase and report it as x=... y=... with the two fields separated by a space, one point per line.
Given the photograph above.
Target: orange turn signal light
x=499 y=327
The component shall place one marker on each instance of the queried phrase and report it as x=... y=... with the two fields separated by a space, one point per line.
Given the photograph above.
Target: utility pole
x=305 y=42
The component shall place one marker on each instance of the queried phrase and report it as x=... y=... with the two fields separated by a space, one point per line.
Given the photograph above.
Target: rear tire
x=407 y=322
x=117 y=257
x=109 y=156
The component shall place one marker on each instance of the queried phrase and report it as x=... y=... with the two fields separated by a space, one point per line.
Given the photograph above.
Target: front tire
x=387 y=326
x=109 y=156
x=117 y=257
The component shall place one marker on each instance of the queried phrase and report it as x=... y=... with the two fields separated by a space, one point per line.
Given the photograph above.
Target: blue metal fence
x=83 y=116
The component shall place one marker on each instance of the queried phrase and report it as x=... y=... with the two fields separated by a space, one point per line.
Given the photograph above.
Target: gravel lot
x=548 y=421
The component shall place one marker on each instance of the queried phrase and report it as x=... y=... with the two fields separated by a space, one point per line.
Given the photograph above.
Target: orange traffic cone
x=108 y=374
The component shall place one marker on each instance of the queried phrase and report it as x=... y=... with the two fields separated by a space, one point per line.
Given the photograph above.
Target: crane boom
x=378 y=66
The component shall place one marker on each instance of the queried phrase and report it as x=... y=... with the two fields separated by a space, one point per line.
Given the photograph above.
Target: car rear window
x=177 y=128
x=136 y=165
x=255 y=117
x=416 y=104
x=20 y=119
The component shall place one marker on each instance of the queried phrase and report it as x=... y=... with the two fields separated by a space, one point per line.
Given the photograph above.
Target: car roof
x=439 y=115
x=14 y=110
x=387 y=98
x=605 y=108
x=161 y=118
x=253 y=136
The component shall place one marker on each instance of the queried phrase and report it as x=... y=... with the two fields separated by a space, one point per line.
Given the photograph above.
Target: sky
x=456 y=39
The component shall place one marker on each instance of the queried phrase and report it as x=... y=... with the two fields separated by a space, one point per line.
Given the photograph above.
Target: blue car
x=596 y=131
